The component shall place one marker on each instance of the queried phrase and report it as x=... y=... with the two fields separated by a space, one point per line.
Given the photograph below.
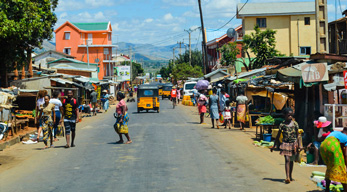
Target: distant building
x=294 y=22
x=338 y=35
x=213 y=46
x=120 y=58
x=74 y=67
x=83 y=39
x=48 y=56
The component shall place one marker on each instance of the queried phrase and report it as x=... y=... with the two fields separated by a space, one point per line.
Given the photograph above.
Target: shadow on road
x=274 y=180
x=193 y=123
x=115 y=143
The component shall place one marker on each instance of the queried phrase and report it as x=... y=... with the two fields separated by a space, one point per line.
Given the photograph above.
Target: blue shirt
x=340 y=136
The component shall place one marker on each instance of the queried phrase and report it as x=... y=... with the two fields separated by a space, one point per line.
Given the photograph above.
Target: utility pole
x=190 y=46
x=204 y=37
x=131 y=65
x=173 y=56
x=88 y=53
x=180 y=43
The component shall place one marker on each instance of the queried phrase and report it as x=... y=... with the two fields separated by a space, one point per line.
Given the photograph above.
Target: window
x=305 y=50
x=106 y=51
x=90 y=39
x=110 y=37
x=261 y=22
x=67 y=51
x=307 y=20
x=67 y=35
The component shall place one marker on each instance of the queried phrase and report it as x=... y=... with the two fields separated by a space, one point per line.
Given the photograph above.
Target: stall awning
x=65 y=81
x=289 y=74
x=247 y=74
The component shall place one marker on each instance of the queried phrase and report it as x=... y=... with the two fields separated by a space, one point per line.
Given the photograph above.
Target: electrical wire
x=232 y=17
x=196 y=45
x=340 y=7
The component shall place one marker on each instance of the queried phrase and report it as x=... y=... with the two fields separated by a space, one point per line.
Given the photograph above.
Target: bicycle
x=173 y=103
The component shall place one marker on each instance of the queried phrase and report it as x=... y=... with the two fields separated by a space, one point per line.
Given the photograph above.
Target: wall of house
x=72 y=43
x=307 y=33
x=287 y=32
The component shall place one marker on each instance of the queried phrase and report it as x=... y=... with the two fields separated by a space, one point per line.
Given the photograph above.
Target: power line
x=340 y=6
x=232 y=17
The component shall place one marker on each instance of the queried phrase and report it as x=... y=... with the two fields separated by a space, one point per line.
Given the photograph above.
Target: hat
x=219 y=85
x=322 y=122
x=226 y=95
x=338 y=129
x=209 y=87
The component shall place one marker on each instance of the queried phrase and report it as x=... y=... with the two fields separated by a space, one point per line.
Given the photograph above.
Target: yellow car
x=148 y=98
x=167 y=91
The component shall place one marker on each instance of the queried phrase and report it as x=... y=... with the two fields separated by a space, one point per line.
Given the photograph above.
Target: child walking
x=227 y=115
x=289 y=148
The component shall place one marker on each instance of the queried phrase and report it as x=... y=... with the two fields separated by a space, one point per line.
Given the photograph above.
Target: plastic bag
x=221 y=118
x=122 y=129
x=60 y=131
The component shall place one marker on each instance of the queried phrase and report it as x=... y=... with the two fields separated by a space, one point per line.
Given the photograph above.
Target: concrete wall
x=287 y=32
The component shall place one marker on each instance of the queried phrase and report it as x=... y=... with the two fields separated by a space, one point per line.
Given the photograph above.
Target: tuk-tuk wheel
x=158 y=110
x=147 y=110
x=138 y=110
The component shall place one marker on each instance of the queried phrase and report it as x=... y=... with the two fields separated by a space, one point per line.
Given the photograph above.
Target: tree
x=136 y=70
x=24 y=25
x=182 y=71
x=229 y=53
x=196 y=58
x=166 y=71
x=262 y=44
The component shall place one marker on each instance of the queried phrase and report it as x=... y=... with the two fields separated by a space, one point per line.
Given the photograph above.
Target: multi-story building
x=89 y=43
x=213 y=46
x=294 y=23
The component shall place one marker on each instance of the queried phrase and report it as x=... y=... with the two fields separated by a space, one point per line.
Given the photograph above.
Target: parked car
x=188 y=87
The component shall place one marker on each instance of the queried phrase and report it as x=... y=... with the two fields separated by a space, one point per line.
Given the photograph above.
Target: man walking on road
x=70 y=114
x=94 y=99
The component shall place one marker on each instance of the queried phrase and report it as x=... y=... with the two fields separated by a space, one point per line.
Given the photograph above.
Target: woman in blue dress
x=105 y=101
x=214 y=107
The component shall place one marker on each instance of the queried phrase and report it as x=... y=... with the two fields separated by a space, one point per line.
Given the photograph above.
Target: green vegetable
x=266 y=120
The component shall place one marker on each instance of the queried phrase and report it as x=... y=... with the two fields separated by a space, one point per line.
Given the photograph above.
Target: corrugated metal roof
x=71 y=60
x=215 y=72
x=271 y=9
x=91 y=26
x=247 y=74
x=214 y=34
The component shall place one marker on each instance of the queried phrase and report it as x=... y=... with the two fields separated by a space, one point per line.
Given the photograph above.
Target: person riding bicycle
x=174 y=94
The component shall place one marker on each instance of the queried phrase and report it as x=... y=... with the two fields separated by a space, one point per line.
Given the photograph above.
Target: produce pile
x=319 y=178
x=267 y=120
x=264 y=144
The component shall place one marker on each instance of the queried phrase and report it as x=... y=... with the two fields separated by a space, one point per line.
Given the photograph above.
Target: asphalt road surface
x=170 y=152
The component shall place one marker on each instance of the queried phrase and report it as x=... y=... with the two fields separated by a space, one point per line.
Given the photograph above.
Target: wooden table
x=261 y=131
x=250 y=119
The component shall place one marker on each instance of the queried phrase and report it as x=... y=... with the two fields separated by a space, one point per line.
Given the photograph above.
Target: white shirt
x=40 y=103
x=57 y=104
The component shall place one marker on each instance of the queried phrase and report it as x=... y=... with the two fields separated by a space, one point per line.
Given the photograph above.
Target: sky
x=159 y=22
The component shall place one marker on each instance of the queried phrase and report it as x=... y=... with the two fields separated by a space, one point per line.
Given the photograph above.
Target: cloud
x=73 y=5
x=149 y=20
x=168 y=17
x=180 y=2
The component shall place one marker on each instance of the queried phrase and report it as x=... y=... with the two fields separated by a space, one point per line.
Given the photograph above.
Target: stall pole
x=306 y=106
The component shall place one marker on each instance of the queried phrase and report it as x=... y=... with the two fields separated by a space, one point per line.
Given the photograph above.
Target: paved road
x=170 y=152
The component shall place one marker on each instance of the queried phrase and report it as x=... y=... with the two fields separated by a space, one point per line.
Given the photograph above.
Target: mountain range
x=140 y=52
x=145 y=52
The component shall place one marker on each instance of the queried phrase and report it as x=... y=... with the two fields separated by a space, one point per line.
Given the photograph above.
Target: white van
x=188 y=87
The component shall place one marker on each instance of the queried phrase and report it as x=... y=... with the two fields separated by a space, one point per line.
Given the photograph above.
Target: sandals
x=67 y=146
x=128 y=142
x=120 y=142
x=287 y=181
x=46 y=147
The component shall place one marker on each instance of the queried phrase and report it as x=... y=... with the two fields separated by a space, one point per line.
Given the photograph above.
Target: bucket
x=267 y=137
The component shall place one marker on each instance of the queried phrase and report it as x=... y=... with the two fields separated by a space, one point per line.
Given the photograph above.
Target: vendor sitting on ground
x=320 y=134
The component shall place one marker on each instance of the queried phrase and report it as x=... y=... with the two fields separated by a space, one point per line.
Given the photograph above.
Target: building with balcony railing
x=89 y=43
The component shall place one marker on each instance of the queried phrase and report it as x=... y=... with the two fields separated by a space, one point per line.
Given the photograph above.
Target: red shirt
x=174 y=93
